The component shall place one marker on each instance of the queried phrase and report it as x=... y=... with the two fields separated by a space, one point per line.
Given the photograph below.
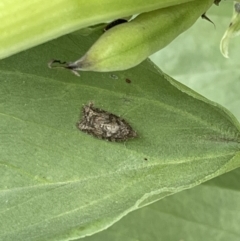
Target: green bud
x=126 y=45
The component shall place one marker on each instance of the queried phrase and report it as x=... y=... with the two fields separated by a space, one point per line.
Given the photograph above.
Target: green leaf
x=207 y=212
x=58 y=183
x=28 y=23
x=202 y=213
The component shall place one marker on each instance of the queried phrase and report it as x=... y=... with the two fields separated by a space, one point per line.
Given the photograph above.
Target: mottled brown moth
x=104 y=125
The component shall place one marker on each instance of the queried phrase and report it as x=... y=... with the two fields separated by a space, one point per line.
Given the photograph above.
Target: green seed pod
x=128 y=44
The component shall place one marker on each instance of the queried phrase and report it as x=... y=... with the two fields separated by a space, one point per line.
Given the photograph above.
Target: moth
x=104 y=125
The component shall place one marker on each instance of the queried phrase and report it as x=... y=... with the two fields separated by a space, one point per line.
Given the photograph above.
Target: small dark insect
x=145 y=159
x=128 y=81
x=104 y=125
x=114 y=23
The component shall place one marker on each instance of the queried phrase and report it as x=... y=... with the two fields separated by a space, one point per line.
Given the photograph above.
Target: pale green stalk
x=27 y=23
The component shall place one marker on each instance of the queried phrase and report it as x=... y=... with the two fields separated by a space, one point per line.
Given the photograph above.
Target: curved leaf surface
x=58 y=183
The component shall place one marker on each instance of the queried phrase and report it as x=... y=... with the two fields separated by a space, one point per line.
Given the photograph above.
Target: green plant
x=58 y=183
